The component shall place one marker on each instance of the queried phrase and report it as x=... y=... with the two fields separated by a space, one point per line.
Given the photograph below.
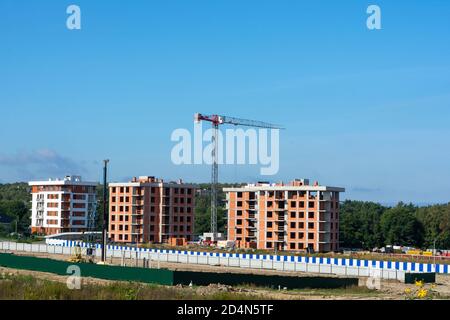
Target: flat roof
x=284 y=188
x=149 y=184
x=62 y=183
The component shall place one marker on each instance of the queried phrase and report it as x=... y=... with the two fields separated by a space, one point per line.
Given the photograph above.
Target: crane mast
x=217 y=120
x=214 y=180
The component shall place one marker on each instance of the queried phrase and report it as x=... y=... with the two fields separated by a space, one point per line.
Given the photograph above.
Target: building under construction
x=149 y=210
x=294 y=217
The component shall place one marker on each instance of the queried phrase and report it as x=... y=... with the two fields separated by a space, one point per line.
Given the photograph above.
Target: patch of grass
x=348 y=291
x=19 y=287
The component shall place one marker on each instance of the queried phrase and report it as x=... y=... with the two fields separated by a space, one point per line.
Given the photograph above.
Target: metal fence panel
x=314 y=268
x=172 y=257
x=289 y=266
x=245 y=263
x=257 y=264
x=213 y=261
x=352 y=271
x=234 y=262
x=339 y=270
x=192 y=259
x=325 y=268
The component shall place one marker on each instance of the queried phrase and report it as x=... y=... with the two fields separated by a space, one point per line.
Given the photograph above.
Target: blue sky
x=366 y=110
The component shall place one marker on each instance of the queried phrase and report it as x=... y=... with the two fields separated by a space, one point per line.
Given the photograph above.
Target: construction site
x=282 y=239
x=224 y=159
x=249 y=280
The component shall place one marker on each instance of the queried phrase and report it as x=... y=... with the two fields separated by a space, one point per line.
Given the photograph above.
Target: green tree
x=360 y=224
x=18 y=212
x=203 y=215
x=203 y=208
x=436 y=222
x=15 y=191
x=400 y=226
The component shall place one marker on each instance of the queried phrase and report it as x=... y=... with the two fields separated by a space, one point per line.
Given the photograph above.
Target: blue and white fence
x=322 y=265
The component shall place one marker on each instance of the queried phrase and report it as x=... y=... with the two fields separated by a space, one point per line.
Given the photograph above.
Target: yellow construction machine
x=77 y=256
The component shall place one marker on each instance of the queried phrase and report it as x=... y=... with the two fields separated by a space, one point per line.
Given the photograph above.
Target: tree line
x=368 y=225
x=14 y=208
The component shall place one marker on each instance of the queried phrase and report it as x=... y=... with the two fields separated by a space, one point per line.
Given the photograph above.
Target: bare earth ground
x=389 y=290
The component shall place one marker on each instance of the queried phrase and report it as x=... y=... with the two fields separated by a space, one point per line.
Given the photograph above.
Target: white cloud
x=42 y=163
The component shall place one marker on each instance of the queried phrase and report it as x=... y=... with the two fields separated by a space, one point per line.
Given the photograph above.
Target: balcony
x=279 y=196
x=136 y=239
x=325 y=196
x=324 y=238
x=166 y=203
x=138 y=203
x=324 y=228
x=324 y=217
x=137 y=212
x=138 y=222
x=166 y=213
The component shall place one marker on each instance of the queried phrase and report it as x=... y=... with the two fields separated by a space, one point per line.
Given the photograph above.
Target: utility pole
x=434 y=254
x=105 y=210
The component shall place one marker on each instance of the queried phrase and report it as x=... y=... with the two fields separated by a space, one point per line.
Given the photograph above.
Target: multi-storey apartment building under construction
x=294 y=217
x=151 y=210
x=59 y=206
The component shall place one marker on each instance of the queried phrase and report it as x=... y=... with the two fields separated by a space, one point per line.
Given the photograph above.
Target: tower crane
x=217 y=120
